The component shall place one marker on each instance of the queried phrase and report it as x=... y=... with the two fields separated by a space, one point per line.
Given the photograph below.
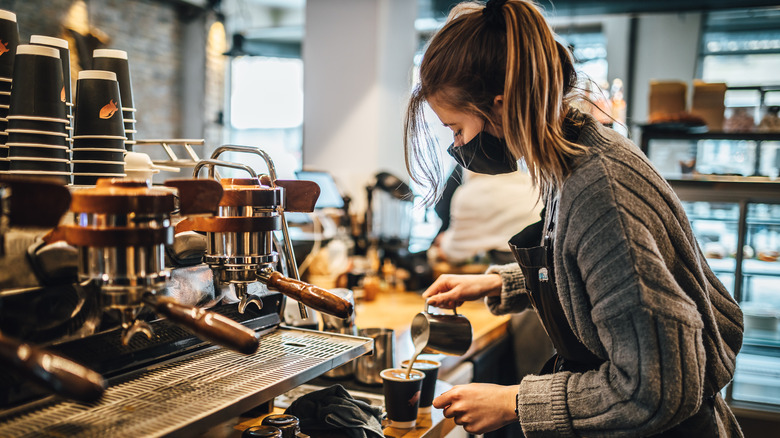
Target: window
x=589 y=48
x=266 y=110
x=742 y=49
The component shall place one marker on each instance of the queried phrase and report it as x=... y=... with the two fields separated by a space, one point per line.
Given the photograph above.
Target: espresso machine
x=158 y=304
x=120 y=229
x=240 y=236
x=55 y=374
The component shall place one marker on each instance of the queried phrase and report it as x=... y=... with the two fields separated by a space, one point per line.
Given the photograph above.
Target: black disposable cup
x=92 y=155
x=4 y=151
x=63 y=177
x=32 y=151
x=36 y=164
x=3 y=124
x=9 y=38
x=4 y=163
x=5 y=96
x=99 y=143
x=116 y=61
x=402 y=396
x=90 y=180
x=431 y=370
x=129 y=126
x=5 y=86
x=62 y=46
x=97 y=110
x=37 y=137
x=37 y=89
x=47 y=125
x=99 y=167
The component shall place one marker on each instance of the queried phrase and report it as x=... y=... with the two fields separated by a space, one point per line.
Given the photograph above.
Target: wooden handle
x=55 y=373
x=309 y=294
x=197 y=196
x=208 y=325
x=29 y=195
x=300 y=195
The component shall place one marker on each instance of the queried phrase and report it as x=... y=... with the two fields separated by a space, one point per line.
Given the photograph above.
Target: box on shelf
x=667 y=98
x=709 y=103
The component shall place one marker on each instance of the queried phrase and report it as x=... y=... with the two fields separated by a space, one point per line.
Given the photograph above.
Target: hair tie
x=492 y=12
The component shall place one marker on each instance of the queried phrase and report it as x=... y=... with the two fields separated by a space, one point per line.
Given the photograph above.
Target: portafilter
x=240 y=247
x=21 y=200
x=120 y=229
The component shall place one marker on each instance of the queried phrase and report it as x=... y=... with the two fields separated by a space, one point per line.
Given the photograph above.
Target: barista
x=645 y=334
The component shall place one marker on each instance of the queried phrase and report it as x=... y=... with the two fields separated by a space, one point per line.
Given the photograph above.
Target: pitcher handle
x=425 y=308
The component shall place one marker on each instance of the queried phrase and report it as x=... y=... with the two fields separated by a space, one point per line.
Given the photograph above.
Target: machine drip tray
x=189 y=395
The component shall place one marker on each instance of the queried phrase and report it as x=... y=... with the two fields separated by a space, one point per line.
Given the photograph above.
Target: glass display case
x=737 y=224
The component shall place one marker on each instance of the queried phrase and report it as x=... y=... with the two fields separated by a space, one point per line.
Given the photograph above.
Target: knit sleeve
x=617 y=269
x=513 y=296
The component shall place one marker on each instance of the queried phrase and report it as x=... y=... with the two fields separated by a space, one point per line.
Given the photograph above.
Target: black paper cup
x=431 y=370
x=39 y=137
x=98 y=155
x=4 y=151
x=99 y=167
x=402 y=396
x=97 y=110
x=37 y=89
x=9 y=35
x=5 y=87
x=42 y=164
x=38 y=151
x=91 y=179
x=3 y=124
x=64 y=177
x=4 y=163
x=98 y=142
x=62 y=46
x=37 y=124
x=116 y=61
x=5 y=96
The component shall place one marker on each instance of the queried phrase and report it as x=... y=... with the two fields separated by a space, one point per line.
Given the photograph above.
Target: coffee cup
x=116 y=61
x=369 y=366
x=402 y=396
x=441 y=333
x=9 y=40
x=431 y=370
x=62 y=46
x=98 y=105
x=37 y=83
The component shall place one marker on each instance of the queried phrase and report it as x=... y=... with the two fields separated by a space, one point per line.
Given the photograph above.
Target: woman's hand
x=450 y=291
x=479 y=407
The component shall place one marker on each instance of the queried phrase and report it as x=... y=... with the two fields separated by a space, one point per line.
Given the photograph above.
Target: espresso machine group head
x=240 y=237
x=120 y=229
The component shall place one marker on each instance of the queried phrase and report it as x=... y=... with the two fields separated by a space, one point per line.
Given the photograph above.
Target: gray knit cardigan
x=638 y=293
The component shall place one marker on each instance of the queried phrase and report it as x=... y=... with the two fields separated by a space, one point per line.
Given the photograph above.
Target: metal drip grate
x=187 y=395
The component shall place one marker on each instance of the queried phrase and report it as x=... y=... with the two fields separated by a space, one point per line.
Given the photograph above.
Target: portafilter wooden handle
x=55 y=373
x=35 y=202
x=206 y=324
x=308 y=294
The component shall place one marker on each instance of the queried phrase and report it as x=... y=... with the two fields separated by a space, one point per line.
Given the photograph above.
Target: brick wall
x=148 y=30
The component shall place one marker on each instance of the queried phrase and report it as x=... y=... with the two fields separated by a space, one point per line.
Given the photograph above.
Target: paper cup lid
x=30 y=49
x=49 y=41
x=109 y=53
x=97 y=74
x=7 y=15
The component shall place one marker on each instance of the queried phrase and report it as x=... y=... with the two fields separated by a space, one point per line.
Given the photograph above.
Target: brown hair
x=474 y=58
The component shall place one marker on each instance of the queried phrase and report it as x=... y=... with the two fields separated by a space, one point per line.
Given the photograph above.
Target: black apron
x=536 y=262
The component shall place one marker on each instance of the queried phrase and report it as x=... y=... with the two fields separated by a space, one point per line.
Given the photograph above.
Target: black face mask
x=485 y=153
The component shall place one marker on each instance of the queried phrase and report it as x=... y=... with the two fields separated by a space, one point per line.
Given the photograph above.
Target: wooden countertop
x=396 y=311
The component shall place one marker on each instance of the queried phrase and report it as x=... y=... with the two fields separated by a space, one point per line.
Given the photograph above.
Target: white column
x=357 y=58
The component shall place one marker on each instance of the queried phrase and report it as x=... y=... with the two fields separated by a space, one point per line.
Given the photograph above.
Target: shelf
x=659 y=134
x=728 y=220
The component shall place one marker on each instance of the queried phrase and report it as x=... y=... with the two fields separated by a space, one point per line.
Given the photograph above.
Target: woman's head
x=501 y=64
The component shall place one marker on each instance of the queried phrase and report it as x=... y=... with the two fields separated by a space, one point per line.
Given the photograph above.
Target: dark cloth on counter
x=638 y=293
x=333 y=409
